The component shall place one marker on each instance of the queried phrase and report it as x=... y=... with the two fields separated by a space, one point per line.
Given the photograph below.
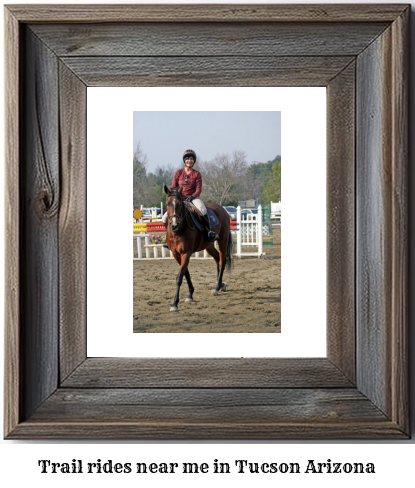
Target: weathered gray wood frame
x=359 y=52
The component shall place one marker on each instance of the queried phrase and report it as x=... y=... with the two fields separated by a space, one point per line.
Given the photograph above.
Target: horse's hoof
x=223 y=287
x=189 y=300
x=174 y=309
x=214 y=293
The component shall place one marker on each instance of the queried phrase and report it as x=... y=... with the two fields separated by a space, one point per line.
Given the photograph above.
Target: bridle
x=175 y=220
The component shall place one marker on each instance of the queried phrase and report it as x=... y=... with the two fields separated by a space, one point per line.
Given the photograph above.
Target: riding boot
x=212 y=236
x=165 y=226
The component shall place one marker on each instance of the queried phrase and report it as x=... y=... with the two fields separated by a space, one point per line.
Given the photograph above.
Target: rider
x=191 y=182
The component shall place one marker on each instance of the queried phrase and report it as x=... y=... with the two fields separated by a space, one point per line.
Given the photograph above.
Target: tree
x=163 y=174
x=152 y=192
x=258 y=177
x=223 y=177
x=147 y=190
x=255 y=177
x=271 y=189
x=139 y=176
x=227 y=178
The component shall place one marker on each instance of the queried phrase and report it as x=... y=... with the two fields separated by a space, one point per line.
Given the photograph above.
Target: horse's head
x=175 y=206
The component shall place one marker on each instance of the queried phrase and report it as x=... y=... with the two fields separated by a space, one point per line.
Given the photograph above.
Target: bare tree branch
x=223 y=177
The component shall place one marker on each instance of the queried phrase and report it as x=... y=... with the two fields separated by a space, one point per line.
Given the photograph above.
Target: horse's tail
x=229 y=253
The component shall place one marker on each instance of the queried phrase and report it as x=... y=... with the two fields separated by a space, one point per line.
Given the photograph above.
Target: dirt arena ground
x=251 y=302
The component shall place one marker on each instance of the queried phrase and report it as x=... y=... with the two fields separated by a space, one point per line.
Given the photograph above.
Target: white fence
x=147 y=250
x=249 y=233
x=276 y=210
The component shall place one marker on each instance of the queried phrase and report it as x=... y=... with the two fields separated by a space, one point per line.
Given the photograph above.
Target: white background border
x=109 y=229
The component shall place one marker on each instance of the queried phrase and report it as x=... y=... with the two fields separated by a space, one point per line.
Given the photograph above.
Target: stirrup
x=166 y=246
x=212 y=236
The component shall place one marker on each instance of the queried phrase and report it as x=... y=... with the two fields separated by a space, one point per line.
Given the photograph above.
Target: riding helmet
x=189 y=152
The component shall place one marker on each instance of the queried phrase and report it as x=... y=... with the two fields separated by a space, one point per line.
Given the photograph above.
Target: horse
x=184 y=238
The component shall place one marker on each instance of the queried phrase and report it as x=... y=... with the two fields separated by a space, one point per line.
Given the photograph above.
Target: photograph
x=207 y=221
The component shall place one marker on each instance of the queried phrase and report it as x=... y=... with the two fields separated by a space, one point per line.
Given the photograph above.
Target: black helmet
x=189 y=152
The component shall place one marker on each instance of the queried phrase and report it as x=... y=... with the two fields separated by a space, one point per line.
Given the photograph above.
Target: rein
x=180 y=219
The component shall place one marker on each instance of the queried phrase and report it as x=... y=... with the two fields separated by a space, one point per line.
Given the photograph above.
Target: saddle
x=197 y=217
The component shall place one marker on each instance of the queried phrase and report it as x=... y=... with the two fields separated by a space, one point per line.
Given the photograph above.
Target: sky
x=164 y=136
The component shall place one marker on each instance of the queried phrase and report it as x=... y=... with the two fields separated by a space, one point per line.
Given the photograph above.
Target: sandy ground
x=251 y=302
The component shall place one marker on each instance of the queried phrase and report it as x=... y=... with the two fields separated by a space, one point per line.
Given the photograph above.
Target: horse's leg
x=220 y=259
x=179 y=280
x=215 y=255
x=219 y=284
x=189 y=299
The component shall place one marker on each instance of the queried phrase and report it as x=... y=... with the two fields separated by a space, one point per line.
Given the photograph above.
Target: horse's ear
x=179 y=191
x=166 y=190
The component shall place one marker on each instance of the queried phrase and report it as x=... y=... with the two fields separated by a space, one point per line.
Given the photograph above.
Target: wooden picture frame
x=360 y=53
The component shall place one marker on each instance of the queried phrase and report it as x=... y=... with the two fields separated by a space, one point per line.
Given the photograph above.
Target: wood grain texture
x=382 y=223
x=188 y=430
x=206 y=71
x=209 y=405
x=373 y=304
x=206 y=13
x=12 y=371
x=341 y=236
x=72 y=222
x=374 y=221
x=53 y=391
x=400 y=232
x=198 y=39
x=39 y=217
x=206 y=373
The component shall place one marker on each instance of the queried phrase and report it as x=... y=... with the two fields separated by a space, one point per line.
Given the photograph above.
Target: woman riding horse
x=185 y=236
x=191 y=182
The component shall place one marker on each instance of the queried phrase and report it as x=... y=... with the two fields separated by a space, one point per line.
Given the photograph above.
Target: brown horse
x=184 y=238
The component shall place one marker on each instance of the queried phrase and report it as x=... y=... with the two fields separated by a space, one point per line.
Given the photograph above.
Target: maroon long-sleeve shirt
x=191 y=183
